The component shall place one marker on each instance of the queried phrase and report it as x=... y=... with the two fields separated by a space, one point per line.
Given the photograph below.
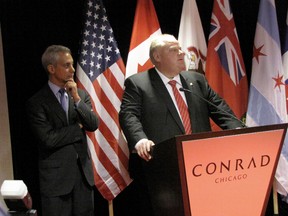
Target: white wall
x=6 y=167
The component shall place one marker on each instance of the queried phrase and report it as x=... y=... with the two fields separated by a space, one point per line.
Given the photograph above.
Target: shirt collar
x=166 y=79
x=55 y=89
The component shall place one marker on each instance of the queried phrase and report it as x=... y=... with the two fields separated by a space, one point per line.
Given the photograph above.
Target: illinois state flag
x=267 y=97
x=100 y=71
x=191 y=37
x=145 y=27
x=225 y=70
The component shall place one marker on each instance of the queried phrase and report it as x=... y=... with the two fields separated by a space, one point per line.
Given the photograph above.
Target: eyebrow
x=174 y=46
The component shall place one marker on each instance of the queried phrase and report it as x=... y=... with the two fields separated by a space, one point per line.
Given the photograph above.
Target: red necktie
x=183 y=109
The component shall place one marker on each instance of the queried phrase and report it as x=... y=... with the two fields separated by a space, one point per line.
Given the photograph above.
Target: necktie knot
x=62 y=91
x=172 y=83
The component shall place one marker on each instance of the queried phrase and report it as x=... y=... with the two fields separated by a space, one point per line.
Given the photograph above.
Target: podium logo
x=221 y=167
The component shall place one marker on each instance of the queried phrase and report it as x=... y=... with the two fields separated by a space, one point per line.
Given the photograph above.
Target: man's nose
x=181 y=52
x=72 y=69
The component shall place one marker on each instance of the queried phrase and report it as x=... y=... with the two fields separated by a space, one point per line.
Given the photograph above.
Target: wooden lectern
x=217 y=173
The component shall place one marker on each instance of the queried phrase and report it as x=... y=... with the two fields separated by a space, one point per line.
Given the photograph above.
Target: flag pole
x=275 y=198
x=110 y=207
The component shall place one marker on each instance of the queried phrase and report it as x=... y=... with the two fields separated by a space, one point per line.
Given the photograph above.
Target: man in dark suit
x=65 y=167
x=149 y=113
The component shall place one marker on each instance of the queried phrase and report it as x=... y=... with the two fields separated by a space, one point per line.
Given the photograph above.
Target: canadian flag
x=145 y=27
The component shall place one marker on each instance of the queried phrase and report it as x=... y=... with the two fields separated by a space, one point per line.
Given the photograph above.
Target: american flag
x=101 y=72
x=225 y=69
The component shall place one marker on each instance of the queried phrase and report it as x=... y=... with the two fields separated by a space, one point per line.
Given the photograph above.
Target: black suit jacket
x=60 y=143
x=147 y=110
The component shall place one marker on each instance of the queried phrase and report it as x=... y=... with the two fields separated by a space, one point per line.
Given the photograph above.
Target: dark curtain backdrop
x=29 y=26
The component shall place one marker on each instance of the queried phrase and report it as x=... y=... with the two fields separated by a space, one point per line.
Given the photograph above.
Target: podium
x=216 y=173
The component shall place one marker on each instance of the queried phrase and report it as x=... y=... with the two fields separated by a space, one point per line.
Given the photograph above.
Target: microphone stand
x=212 y=104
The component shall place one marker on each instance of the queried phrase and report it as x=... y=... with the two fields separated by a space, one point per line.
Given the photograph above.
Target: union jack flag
x=230 y=60
x=225 y=70
x=101 y=72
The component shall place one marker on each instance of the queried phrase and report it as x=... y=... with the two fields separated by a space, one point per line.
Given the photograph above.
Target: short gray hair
x=50 y=56
x=160 y=41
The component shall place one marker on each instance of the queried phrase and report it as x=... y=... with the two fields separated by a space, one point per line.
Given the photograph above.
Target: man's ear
x=156 y=56
x=50 y=68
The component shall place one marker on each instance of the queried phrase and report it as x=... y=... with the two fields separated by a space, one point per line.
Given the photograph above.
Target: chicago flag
x=267 y=97
x=283 y=164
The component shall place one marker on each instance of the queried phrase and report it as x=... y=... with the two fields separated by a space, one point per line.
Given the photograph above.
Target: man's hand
x=143 y=149
x=71 y=87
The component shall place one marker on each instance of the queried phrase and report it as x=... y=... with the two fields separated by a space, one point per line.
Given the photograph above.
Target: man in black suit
x=149 y=113
x=65 y=167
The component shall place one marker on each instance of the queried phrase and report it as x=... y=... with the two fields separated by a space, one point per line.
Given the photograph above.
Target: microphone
x=212 y=104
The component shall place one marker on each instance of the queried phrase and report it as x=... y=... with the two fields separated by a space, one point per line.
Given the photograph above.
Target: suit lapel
x=54 y=104
x=164 y=95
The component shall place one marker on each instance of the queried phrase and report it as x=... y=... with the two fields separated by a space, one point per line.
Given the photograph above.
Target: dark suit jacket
x=60 y=143
x=147 y=110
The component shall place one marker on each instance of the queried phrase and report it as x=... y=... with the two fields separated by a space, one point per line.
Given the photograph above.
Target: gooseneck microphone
x=212 y=104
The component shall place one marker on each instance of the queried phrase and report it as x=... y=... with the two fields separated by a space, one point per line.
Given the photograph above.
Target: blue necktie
x=64 y=100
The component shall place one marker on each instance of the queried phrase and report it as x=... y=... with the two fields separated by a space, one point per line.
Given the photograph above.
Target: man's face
x=171 y=59
x=63 y=70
